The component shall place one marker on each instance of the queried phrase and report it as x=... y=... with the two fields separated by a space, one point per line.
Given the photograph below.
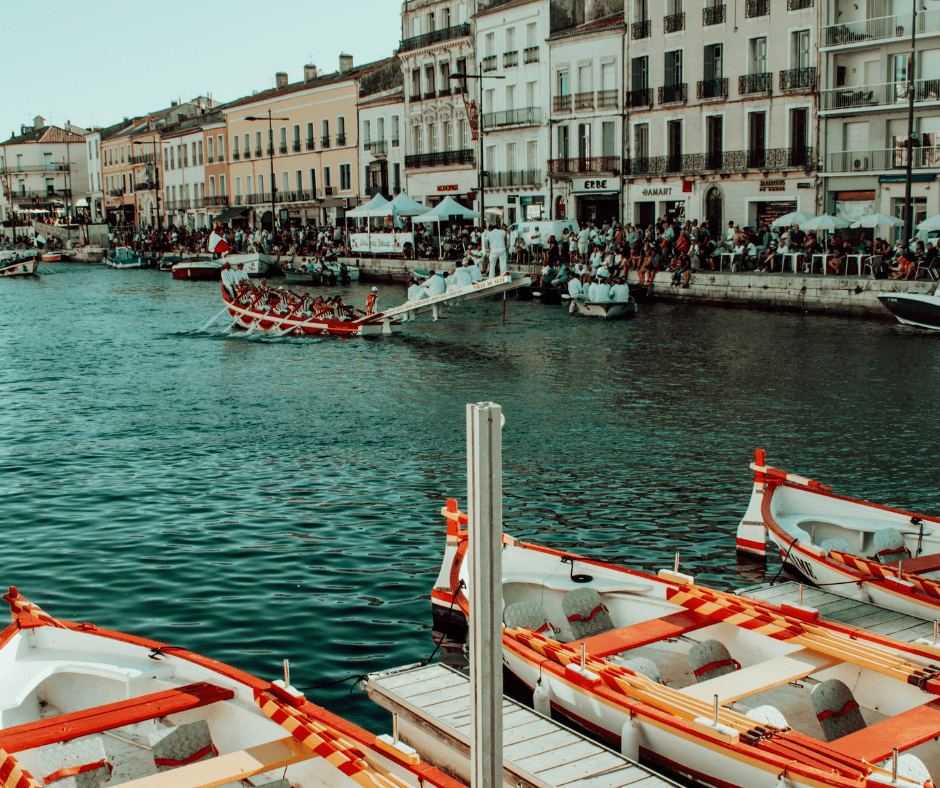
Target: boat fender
x=542 y=699
x=630 y=740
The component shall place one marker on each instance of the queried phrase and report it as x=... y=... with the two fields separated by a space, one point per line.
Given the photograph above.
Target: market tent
x=447 y=208
x=376 y=203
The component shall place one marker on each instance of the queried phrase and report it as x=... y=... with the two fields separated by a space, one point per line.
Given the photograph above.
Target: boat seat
x=889 y=546
x=836 y=709
x=643 y=666
x=922 y=564
x=82 y=763
x=97 y=719
x=642 y=634
x=711 y=659
x=586 y=613
x=527 y=615
x=182 y=745
x=767 y=715
x=836 y=544
x=904 y=731
x=275 y=784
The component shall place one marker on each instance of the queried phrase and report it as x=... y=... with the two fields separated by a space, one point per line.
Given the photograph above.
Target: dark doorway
x=713 y=210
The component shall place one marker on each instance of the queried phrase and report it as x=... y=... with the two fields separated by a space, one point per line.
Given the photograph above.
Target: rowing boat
x=856 y=549
x=81 y=706
x=605 y=309
x=19 y=266
x=724 y=690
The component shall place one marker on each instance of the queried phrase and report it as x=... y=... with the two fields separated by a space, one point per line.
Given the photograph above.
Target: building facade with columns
x=382 y=149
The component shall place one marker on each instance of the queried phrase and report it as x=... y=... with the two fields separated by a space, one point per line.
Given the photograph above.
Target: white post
x=485 y=496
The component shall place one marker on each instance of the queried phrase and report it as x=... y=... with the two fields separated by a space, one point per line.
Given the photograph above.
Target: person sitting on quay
x=547 y=276
x=905 y=266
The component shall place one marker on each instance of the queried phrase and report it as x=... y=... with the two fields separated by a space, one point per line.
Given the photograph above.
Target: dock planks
x=537 y=751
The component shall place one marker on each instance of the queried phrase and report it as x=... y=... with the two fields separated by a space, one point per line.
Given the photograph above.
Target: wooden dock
x=846 y=611
x=431 y=705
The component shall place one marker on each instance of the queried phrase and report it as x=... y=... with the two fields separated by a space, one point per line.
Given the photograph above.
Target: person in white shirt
x=603 y=272
x=415 y=293
x=228 y=279
x=584 y=243
x=434 y=286
x=474 y=271
x=597 y=258
x=496 y=243
x=574 y=287
x=459 y=278
x=620 y=292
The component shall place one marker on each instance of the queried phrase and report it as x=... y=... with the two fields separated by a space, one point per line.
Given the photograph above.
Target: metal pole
x=484 y=495
x=271 y=156
x=480 y=173
x=911 y=85
x=156 y=176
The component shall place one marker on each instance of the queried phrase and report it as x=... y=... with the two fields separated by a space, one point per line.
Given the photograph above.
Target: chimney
x=310 y=72
x=22 y=128
x=39 y=122
x=172 y=103
x=345 y=62
x=280 y=79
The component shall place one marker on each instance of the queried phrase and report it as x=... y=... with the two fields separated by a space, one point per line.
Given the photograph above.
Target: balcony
x=712 y=88
x=714 y=15
x=34 y=168
x=182 y=205
x=755 y=8
x=510 y=59
x=798 y=79
x=236 y=155
x=799 y=5
x=488 y=63
x=562 y=103
x=584 y=100
x=642 y=97
x=674 y=23
x=416 y=98
x=607 y=99
x=209 y=159
x=144 y=187
x=380 y=148
x=640 y=30
x=867 y=30
x=429 y=95
x=673 y=94
x=254 y=199
x=169 y=205
x=530 y=55
x=447 y=34
x=443 y=92
x=869 y=96
x=218 y=201
x=441 y=159
x=246 y=155
x=221 y=157
x=282 y=148
x=499 y=180
x=773 y=160
x=143 y=158
x=528 y=116
x=238 y=200
x=341 y=139
x=597 y=164
x=325 y=141
x=883 y=160
x=199 y=202
x=309 y=144
x=755 y=83
x=258 y=153
x=295 y=145
x=111 y=193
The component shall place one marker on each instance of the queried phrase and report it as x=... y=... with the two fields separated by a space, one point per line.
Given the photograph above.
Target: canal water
x=254 y=499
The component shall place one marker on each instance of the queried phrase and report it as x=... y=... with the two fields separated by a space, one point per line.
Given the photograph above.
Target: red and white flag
x=217 y=244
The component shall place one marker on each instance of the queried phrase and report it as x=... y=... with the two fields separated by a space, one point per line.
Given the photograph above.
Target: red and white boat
x=197 y=269
x=52 y=257
x=856 y=549
x=725 y=690
x=23 y=266
x=254 y=318
x=81 y=706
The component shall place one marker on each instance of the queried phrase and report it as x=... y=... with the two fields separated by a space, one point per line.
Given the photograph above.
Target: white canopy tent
x=448 y=208
x=366 y=210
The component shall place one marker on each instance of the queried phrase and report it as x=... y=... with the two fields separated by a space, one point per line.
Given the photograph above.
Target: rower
x=228 y=279
x=372 y=301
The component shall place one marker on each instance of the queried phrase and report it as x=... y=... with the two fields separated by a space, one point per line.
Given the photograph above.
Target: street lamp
x=271 y=157
x=156 y=173
x=481 y=76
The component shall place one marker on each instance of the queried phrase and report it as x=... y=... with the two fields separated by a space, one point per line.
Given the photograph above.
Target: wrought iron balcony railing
x=673 y=94
x=713 y=15
x=584 y=100
x=529 y=116
x=674 y=23
x=795 y=79
x=640 y=30
x=596 y=164
x=607 y=99
x=562 y=103
x=25 y=168
x=429 y=95
x=799 y=5
x=510 y=59
x=236 y=155
x=496 y=180
x=246 y=154
x=755 y=8
x=379 y=148
x=770 y=159
x=447 y=34
x=639 y=98
x=712 y=88
x=488 y=63
x=530 y=55
x=325 y=141
x=309 y=144
x=217 y=201
x=755 y=83
x=440 y=159
x=340 y=139
x=295 y=145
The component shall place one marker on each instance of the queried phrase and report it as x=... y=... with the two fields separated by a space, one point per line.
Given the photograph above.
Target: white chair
x=889 y=546
x=528 y=615
x=767 y=715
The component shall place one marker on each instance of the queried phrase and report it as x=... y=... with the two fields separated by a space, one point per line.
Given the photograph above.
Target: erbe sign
x=596 y=185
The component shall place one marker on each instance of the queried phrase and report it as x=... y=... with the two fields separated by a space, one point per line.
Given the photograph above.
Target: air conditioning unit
x=860 y=164
x=328 y=191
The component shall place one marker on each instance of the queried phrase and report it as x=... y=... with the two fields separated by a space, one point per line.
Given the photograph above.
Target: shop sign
x=773 y=185
x=597 y=185
x=657 y=191
x=916 y=177
x=447 y=187
x=804 y=185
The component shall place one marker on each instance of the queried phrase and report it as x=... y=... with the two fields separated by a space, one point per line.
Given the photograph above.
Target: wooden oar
x=224 y=310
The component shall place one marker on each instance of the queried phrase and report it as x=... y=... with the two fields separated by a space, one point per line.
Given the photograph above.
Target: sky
x=93 y=62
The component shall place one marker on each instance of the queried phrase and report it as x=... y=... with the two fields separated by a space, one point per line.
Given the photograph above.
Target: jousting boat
x=20 y=266
x=82 y=706
x=725 y=690
x=387 y=322
x=855 y=549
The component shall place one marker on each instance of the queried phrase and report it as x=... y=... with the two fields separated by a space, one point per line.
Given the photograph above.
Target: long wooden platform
x=876 y=619
x=432 y=704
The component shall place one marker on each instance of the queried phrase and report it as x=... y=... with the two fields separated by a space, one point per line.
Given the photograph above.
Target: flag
x=217 y=244
x=396 y=222
x=40 y=240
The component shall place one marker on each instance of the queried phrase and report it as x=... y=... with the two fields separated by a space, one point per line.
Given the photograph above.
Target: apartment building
x=865 y=47
x=311 y=142
x=721 y=104
x=183 y=153
x=43 y=168
x=587 y=120
x=440 y=159
x=510 y=41
x=382 y=155
x=216 y=168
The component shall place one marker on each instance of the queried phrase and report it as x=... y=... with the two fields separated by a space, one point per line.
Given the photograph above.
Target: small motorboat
x=125 y=257
x=344 y=273
x=605 y=309
x=85 y=706
x=198 y=269
x=255 y=264
x=52 y=257
x=167 y=261
x=855 y=549
x=914 y=309
x=724 y=690
x=312 y=278
x=19 y=266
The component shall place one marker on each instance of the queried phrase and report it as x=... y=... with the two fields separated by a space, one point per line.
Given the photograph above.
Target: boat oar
x=224 y=310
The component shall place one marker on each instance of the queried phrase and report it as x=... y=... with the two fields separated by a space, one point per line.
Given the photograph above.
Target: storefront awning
x=231 y=213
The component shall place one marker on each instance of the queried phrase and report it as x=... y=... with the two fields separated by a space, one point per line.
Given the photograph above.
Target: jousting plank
x=87 y=722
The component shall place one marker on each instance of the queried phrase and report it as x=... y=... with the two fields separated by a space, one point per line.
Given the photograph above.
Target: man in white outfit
x=473 y=269
x=496 y=243
x=460 y=278
x=434 y=286
x=415 y=293
x=620 y=292
x=228 y=279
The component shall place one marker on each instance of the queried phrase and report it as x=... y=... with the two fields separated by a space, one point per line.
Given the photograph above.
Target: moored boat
x=856 y=549
x=255 y=263
x=914 y=309
x=312 y=278
x=342 y=271
x=197 y=269
x=82 y=706
x=125 y=257
x=605 y=309
x=20 y=266
x=724 y=690
x=52 y=257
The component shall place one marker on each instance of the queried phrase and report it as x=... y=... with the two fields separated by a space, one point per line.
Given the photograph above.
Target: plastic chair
x=182 y=745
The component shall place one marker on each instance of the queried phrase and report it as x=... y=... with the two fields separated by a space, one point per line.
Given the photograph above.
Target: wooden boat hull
x=204 y=270
x=914 y=309
x=124 y=257
x=19 y=267
x=304 y=278
x=800 y=517
x=672 y=725
x=54 y=257
x=606 y=309
x=255 y=264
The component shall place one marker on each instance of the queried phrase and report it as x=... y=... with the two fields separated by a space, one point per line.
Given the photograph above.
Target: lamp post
x=156 y=173
x=910 y=143
x=271 y=157
x=479 y=77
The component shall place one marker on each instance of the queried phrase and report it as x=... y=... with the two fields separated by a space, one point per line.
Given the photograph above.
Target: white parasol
x=877 y=220
x=790 y=219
